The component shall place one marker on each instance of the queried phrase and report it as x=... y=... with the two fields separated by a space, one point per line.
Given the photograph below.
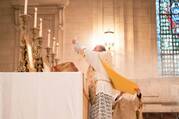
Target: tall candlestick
x=25 y=7
x=30 y=56
x=57 y=50
x=53 y=47
x=35 y=18
x=40 y=31
x=49 y=36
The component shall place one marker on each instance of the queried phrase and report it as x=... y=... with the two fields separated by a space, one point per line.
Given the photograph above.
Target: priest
x=104 y=82
x=100 y=87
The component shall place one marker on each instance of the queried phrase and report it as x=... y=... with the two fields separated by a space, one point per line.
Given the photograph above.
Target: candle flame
x=35 y=9
x=57 y=44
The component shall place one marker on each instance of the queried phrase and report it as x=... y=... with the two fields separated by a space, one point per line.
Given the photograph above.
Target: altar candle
x=54 y=43
x=35 y=18
x=40 y=31
x=57 y=50
x=25 y=7
x=49 y=36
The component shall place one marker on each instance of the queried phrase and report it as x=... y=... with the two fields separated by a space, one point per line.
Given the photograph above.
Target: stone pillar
x=129 y=37
x=60 y=31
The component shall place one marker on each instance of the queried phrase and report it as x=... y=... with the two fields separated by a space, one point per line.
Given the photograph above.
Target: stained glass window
x=168 y=36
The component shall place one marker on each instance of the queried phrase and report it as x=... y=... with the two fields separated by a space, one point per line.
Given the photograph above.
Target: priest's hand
x=78 y=48
x=139 y=94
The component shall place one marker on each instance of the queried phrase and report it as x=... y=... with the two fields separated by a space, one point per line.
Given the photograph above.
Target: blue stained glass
x=167 y=12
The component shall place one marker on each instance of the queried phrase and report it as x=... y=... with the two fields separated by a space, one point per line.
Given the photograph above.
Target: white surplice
x=103 y=97
x=103 y=83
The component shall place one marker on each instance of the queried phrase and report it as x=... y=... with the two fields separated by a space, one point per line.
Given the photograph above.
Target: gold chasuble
x=119 y=82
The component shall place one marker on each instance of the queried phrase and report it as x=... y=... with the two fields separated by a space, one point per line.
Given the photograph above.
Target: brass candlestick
x=24 y=64
x=35 y=32
x=53 y=60
x=38 y=60
x=57 y=61
x=48 y=51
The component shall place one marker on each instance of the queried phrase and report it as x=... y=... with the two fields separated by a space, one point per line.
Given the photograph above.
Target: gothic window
x=168 y=36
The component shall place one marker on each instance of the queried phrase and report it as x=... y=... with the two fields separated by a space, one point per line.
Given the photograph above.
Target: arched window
x=168 y=36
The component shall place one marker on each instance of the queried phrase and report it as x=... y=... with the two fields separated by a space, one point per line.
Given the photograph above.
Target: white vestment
x=93 y=58
x=102 y=106
x=126 y=106
x=103 y=83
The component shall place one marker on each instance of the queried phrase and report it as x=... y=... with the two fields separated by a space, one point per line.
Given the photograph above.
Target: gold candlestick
x=37 y=46
x=53 y=61
x=57 y=61
x=24 y=63
x=48 y=51
x=35 y=32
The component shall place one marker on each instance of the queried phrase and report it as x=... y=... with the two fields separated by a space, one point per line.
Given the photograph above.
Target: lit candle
x=25 y=7
x=57 y=50
x=40 y=31
x=35 y=18
x=49 y=36
x=53 y=47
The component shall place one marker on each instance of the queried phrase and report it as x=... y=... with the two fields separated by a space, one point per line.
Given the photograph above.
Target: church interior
x=142 y=37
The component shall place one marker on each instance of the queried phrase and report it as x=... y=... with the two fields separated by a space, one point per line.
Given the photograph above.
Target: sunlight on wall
x=118 y=57
x=97 y=39
x=108 y=40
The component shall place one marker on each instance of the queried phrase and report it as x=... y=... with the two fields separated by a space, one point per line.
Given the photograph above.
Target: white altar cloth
x=41 y=95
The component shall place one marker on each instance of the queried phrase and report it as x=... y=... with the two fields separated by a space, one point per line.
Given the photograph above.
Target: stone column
x=60 y=31
x=129 y=37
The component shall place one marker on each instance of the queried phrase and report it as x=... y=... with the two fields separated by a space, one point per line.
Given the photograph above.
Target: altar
x=41 y=95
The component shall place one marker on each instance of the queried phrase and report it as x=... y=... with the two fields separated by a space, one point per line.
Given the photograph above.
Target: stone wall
x=78 y=25
x=135 y=50
x=134 y=24
x=7 y=35
x=86 y=20
x=145 y=38
x=160 y=94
